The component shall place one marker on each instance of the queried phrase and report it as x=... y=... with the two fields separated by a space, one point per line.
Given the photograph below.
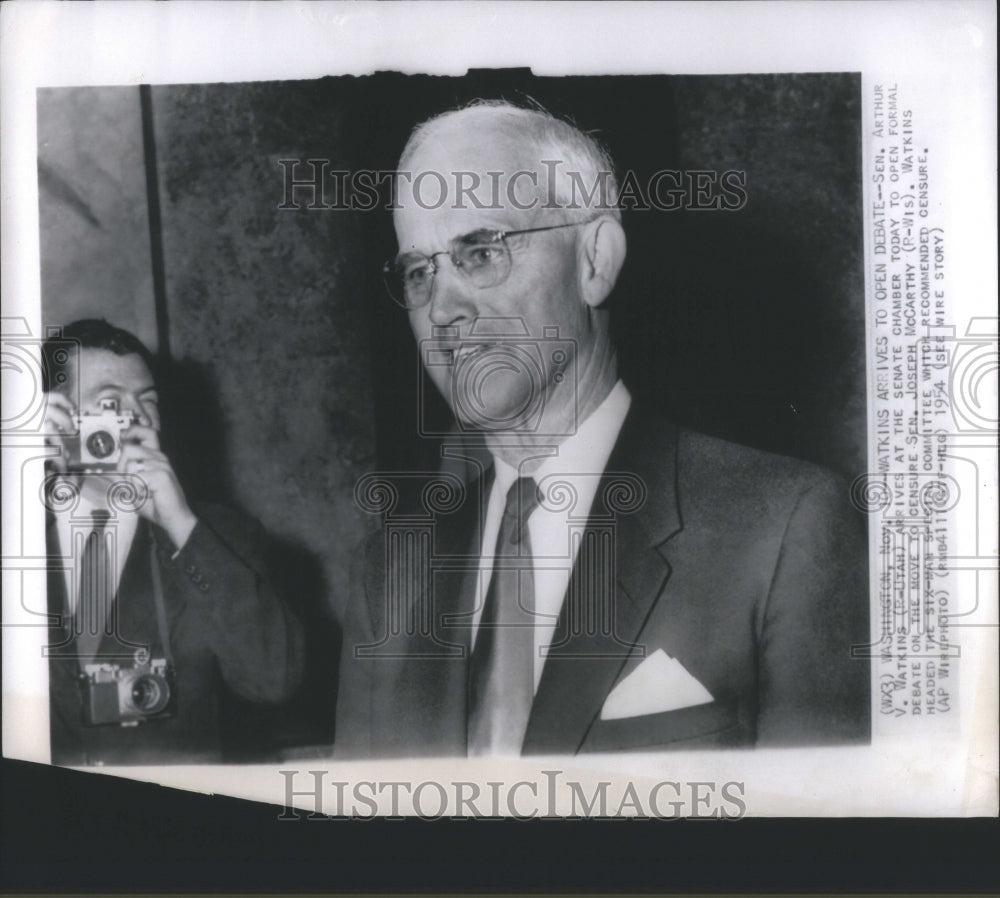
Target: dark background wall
x=290 y=373
x=92 y=207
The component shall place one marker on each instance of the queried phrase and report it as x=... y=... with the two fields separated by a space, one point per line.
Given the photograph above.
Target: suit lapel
x=455 y=567
x=57 y=602
x=619 y=573
x=133 y=614
x=430 y=693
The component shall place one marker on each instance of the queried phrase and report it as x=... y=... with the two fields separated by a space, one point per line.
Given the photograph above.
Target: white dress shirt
x=579 y=460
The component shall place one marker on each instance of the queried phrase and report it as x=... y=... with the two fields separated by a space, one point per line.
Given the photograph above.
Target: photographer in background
x=155 y=607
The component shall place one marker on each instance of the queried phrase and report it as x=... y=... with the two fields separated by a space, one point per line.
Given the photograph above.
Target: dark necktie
x=96 y=587
x=501 y=677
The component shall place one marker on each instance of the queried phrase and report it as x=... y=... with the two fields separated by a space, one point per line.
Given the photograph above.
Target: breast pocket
x=712 y=725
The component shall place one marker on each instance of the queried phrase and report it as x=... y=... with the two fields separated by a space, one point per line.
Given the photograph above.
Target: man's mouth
x=464 y=352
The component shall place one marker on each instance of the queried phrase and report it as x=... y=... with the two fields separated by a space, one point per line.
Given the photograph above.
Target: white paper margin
x=944 y=53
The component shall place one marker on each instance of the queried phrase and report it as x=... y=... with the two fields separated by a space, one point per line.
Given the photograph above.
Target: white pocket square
x=660 y=683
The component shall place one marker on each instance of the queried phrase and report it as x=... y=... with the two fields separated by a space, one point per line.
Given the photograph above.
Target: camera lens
x=150 y=693
x=100 y=444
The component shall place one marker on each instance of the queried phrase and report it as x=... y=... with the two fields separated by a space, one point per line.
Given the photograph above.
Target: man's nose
x=129 y=403
x=451 y=300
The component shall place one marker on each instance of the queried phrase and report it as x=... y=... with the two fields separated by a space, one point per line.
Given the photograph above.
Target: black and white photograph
x=541 y=425
x=682 y=433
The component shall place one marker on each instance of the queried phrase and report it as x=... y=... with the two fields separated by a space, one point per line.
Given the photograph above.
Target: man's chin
x=495 y=423
x=496 y=410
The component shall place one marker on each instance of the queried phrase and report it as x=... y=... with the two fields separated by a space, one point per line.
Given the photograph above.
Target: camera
x=504 y=352
x=97 y=444
x=127 y=694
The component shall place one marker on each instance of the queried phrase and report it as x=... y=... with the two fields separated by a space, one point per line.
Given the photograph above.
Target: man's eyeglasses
x=482 y=256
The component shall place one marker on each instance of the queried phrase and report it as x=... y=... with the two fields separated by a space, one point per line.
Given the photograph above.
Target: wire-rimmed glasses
x=482 y=256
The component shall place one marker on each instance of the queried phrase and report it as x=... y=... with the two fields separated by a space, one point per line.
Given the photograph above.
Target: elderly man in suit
x=156 y=609
x=610 y=581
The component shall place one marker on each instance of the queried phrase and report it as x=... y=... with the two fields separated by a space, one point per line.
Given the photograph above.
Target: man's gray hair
x=585 y=181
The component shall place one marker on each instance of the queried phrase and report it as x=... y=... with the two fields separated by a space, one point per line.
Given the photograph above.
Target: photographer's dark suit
x=748 y=568
x=227 y=628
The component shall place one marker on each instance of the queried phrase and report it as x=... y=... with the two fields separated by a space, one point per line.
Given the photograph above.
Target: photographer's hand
x=166 y=506
x=58 y=423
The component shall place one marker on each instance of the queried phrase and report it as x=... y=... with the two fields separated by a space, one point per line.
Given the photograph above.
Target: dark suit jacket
x=227 y=629
x=748 y=568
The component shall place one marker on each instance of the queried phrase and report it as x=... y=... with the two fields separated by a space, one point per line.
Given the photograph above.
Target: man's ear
x=602 y=254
